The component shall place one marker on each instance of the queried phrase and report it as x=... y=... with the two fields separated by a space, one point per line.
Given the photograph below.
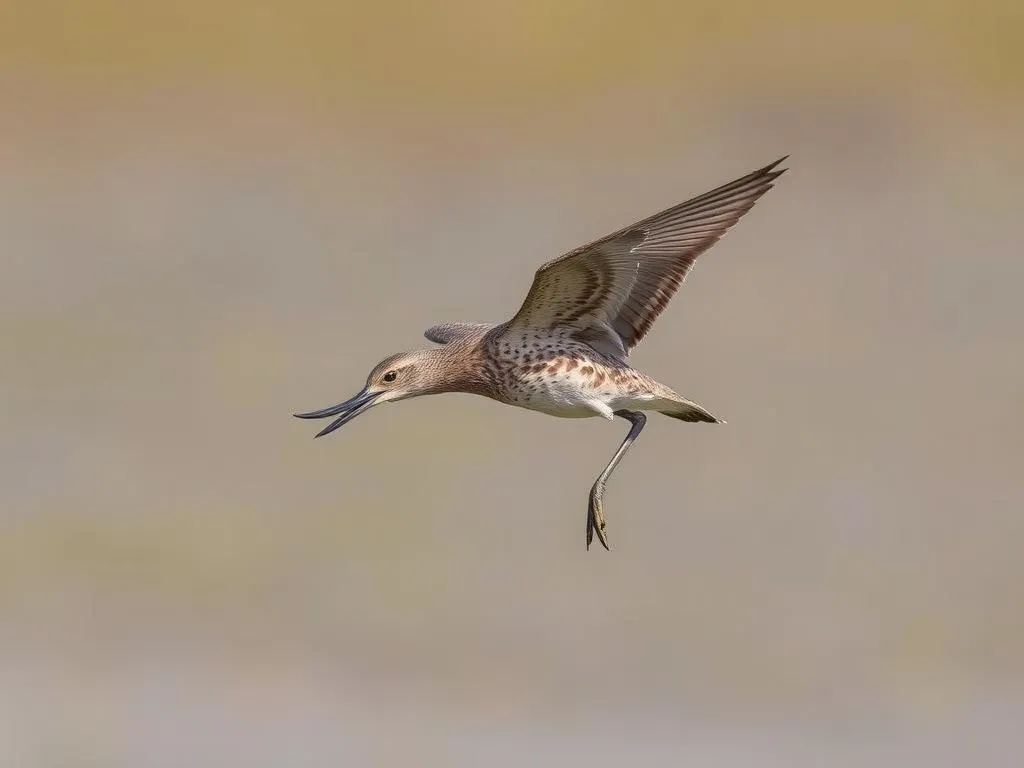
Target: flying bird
x=566 y=351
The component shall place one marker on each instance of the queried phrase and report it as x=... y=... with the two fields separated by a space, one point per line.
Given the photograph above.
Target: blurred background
x=215 y=214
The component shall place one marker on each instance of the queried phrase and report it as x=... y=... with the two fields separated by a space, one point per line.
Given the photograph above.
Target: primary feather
x=609 y=292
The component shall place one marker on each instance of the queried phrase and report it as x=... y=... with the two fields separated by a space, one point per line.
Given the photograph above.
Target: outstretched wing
x=611 y=291
x=445 y=333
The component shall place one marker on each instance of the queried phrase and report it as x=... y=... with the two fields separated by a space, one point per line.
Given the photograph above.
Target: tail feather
x=687 y=410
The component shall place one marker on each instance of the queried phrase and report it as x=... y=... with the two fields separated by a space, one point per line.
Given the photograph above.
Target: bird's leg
x=595 y=513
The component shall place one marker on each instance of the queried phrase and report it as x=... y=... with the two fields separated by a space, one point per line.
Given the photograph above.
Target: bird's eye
x=390 y=376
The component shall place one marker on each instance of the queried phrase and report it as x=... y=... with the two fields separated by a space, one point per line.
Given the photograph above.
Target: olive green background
x=215 y=214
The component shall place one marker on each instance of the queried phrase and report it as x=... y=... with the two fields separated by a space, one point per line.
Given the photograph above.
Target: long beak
x=348 y=410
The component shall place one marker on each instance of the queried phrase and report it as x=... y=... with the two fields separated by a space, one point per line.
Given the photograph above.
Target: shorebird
x=566 y=351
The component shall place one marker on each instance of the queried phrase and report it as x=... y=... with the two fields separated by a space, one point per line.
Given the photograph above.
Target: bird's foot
x=595 y=518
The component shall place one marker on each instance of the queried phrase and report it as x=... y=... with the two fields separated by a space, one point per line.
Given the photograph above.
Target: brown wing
x=446 y=333
x=611 y=291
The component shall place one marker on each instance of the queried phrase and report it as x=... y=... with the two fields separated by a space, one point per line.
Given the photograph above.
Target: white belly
x=564 y=397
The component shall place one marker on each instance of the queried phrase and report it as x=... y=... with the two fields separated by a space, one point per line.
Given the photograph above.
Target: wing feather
x=446 y=333
x=611 y=291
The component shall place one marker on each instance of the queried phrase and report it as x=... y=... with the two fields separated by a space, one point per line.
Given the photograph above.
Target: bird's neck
x=459 y=367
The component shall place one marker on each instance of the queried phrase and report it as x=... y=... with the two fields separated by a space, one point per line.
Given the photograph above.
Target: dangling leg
x=595 y=514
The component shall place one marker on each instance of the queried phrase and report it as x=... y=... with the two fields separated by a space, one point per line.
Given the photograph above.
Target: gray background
x=213 y=215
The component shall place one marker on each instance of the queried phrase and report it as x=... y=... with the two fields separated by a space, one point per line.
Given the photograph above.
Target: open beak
x=348 y=410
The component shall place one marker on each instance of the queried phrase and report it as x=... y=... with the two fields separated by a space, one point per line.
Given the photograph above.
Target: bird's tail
x=687 y=410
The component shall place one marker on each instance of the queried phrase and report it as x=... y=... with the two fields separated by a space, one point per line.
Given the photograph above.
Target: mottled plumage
x=565 y=352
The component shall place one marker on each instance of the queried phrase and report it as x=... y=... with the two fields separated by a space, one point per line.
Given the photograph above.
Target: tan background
x=213 y=214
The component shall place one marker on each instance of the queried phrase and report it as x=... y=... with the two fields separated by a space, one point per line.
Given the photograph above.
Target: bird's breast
x=558 y=378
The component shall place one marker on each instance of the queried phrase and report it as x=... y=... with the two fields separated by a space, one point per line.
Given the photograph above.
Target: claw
x=595 y=521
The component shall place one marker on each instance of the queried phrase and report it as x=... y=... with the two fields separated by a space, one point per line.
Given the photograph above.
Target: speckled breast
x=555 y=375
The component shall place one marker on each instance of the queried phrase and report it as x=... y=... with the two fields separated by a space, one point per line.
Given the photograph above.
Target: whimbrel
x=566 y=351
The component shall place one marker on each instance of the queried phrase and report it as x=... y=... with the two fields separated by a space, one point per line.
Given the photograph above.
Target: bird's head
x=401 y=376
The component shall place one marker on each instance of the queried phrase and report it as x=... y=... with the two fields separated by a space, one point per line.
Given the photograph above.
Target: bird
x=566 y=350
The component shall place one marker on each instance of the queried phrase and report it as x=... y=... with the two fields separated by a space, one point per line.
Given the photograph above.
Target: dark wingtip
x=769 y=170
